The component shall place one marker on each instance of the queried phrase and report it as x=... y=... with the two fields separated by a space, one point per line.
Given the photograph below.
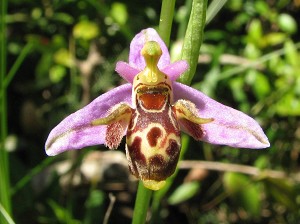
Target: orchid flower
x=152 y=110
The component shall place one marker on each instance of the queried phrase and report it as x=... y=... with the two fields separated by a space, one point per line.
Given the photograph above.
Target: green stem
x=25 y=51
x=141 y=204
x=4 y=163
x=193 y=39
x=12 y=72
x=184 y=22
x=166 y=19
x=5 y=215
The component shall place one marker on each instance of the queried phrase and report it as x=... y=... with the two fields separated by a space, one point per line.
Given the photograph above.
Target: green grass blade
x=166 y=19
x=5 y=199
x=214 y=7
x=25 y=51
x=5 y=215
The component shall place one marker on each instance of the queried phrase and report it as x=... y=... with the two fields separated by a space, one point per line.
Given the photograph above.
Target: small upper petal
x=136 y=60
x=126 y=71
x=76 y=131
x=230 y=127
x=175 y=69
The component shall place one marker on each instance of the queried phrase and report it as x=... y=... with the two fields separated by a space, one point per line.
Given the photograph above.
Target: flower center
x=151 y=75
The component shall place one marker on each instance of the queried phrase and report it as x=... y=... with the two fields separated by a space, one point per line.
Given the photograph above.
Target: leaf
x=262 y=7
x=184 y=192
x=94 y=206
x=287 y=23
x=63 y=57
x=252 y=51
x=283 y=192
x=262 y=162
x=245 y=193
x=255 y=32
x=86 y=30
x=119 y=13
x=291 y=53
x=274 y=38
x=288 y=104
x=237 y=85
x=43 y=65
x=261 y=85
x=62 y=214
x=57 y=73
x=63 y=17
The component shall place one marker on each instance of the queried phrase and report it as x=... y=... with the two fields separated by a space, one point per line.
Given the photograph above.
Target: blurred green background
x=66 y=51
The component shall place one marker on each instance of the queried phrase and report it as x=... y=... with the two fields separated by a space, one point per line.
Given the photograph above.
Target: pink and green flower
x=152 y=91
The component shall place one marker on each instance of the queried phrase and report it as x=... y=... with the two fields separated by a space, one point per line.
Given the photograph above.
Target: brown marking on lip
x=142 y=85
x=136 y=158
x=157 y=166
x=153 y=135
x=160 y=169
x=135 y=150
x=173 y=148
x=164 y=117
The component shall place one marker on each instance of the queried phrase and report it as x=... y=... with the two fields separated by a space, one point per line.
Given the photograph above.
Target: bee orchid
x=151 y=111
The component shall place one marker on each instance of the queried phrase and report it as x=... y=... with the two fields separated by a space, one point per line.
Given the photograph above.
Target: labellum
x=153 y=128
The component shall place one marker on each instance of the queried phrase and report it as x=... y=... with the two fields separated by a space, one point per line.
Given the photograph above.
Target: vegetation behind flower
x=67 y=53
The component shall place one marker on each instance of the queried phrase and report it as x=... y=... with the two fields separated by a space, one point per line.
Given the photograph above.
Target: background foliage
x=62 y=54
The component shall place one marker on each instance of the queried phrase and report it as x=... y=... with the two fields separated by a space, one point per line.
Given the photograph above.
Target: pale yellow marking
x=172 y=118
x=135 y=120
x=153 y=184
x=159 y=149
